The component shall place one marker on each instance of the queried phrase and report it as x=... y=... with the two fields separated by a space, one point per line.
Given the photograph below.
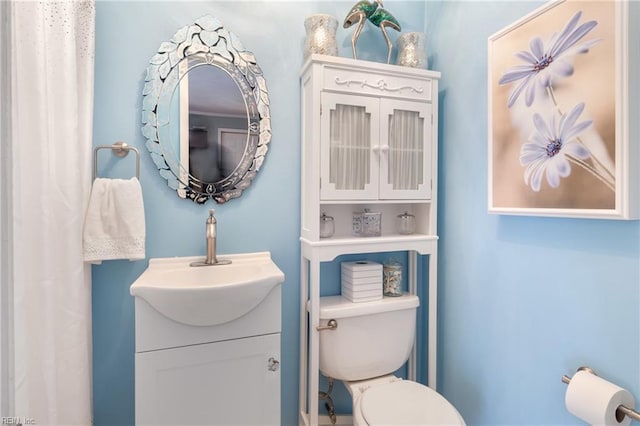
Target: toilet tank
x=372 y=338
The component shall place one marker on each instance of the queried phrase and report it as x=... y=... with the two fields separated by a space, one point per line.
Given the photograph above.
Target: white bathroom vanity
x=208 y=342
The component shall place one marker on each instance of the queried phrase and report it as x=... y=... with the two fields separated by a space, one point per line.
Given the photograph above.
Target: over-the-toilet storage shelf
x=387 y=163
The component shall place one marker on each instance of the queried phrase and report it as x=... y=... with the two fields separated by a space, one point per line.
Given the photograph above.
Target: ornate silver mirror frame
x=205 y=43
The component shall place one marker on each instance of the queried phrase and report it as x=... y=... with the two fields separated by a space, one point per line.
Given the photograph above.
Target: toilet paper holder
x=621 y=411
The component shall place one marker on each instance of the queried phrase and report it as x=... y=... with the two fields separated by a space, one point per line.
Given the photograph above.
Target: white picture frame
x=560 y=138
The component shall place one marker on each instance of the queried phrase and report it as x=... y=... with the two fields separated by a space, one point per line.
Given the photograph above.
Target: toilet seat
x=405 y=402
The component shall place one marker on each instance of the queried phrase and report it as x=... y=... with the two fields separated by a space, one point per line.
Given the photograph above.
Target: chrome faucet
x=211 y=258
x=211 y=239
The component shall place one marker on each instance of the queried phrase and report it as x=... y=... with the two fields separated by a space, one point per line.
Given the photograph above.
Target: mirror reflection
x=213 y=123
x=206 y=113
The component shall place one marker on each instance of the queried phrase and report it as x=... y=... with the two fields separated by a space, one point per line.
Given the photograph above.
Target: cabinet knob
x=384 y=148
x=375 y=148
x=274 y=364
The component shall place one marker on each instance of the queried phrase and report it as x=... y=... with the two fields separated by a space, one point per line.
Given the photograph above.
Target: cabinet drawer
x=376 y=83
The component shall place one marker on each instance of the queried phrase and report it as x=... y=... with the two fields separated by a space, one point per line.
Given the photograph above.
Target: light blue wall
x=523 y=300
x=267 y=215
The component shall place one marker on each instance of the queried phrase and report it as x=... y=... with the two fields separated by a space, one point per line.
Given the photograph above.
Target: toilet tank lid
x=340 y=307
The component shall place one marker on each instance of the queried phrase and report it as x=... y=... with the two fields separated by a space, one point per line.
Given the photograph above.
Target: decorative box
x=361 y=281
x=367 y=224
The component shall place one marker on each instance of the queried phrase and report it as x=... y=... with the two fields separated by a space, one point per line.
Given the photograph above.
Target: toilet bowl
x=389 y=400
x=371 y=341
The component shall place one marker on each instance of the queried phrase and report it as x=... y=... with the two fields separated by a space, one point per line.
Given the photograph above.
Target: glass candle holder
x=412 y=50
x=327 y=226
x=405 y=223
x=321 y=35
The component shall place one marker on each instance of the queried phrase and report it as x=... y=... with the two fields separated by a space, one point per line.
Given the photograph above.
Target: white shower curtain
x=51 y=93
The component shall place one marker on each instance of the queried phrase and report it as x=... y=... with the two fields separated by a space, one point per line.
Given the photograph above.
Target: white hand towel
x=114 y=225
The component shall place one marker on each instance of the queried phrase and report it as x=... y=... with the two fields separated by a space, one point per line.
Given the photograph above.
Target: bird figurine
x=364 y=11
x=382 y=18
x=359 y=14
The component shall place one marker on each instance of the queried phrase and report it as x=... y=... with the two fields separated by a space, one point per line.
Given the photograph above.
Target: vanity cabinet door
x=405 y=150
x=350 y=148
x=233 y=382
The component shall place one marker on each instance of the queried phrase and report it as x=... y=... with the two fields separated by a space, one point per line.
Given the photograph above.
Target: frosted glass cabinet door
x=349 y=152
x=232 y=382
x=405 y=150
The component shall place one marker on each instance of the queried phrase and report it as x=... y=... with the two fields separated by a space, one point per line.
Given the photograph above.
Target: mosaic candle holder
x=321 y=35
x=412 y=50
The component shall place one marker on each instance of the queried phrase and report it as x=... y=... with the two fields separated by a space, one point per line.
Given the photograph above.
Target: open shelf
x=343 y=218
x=327 y=249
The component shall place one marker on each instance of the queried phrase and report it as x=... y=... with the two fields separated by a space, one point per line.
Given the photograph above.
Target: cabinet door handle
x=274 y=364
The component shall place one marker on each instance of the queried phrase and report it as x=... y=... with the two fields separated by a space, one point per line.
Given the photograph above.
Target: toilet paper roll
x=595 y=400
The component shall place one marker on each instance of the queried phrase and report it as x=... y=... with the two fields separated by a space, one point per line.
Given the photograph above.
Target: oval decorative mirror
x=205 y=113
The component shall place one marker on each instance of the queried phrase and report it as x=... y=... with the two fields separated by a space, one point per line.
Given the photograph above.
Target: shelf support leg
x=304 y=327
x=314 y=340
x=433 y=319
x=412 y=269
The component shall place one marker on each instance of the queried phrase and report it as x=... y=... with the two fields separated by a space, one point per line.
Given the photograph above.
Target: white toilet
x=372 y=340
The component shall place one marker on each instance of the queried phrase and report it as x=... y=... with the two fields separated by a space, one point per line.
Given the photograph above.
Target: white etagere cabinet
x=369 y=141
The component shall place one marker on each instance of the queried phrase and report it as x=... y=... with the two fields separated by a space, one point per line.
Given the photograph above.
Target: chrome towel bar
x=621 y=411
x=120 y=149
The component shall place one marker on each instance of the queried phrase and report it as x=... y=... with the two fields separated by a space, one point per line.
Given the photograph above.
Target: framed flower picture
x=563 y=84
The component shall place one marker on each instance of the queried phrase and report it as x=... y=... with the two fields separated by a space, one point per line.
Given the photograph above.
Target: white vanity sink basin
x=207 y=295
